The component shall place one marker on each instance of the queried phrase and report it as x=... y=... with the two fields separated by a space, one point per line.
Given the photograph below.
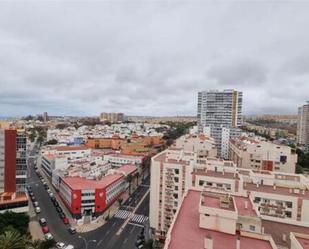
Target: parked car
x=56 y=204
x=37 y=210
x=42 y=222
x=32 y=198
x=59 y=209
x=53 y=199
x=48 y=190
x=48 y=236
x=35 y=204
x=65 y=220
x=60 y=245
x=72 y=230
x=61 y=215
x=51 y=195
x=45 y=229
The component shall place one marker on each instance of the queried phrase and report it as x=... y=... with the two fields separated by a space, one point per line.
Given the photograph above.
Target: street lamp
x=87 y=242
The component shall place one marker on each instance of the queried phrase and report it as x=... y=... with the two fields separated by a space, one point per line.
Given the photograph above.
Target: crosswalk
x=136 y=218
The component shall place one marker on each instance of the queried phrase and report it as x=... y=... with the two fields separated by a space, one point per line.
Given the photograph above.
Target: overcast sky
x=151 y=57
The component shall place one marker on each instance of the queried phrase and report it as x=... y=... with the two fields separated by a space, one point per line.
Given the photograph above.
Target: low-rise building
x=259 y=154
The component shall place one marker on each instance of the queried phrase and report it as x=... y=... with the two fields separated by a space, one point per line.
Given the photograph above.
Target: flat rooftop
x=304 y=242
x=278 y=190
x=186 y=233
x=80 y=183
x=69 y=148
x=277 y=229
x=213 y=200
x=241 y=203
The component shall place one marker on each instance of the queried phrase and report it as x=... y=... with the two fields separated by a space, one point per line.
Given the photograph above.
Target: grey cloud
x=150 y=58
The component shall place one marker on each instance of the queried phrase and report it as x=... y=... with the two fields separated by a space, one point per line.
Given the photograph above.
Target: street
x=105 y=236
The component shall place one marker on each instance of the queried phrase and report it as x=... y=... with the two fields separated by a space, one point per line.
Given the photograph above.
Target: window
x=289 y=204
x=177 y=171
x=176 y=187
x=201 y=182
x=176 y=179
x=252 y=228
x=207 y=215
x=288 y=214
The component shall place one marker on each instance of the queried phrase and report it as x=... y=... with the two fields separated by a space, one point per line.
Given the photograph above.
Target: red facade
x=267 y=165
x=10 y=160
x=100 y=200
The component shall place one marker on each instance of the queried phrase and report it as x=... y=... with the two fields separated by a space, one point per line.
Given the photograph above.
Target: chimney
x=223 y=172
x=208 y=243
x=303 y=192
x=291 y=191
x=257 y=184
x=238 y=242
x=246 y=204
x=263 y=230
x=284 y=237
x=275 y=187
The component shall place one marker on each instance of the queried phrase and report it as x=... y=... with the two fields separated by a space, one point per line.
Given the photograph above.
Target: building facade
x=13 y=170
x=259 y=154
x=303 y=125
x=113 y=117
x=219 y=115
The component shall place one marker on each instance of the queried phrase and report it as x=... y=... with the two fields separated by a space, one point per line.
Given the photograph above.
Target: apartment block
x=303 y=125
x=277 y=198
x=259 y=154
x=113 y=117
x=13 y=170
x=202 y=144
x=219 y=115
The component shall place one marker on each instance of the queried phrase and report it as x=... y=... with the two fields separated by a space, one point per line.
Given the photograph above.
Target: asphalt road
x=105 y=236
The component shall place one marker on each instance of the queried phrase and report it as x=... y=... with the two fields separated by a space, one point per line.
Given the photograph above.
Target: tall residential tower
x=219 y=115
x=303 y=125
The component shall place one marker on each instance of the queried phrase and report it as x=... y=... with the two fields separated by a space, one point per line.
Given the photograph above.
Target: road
x=106 y=236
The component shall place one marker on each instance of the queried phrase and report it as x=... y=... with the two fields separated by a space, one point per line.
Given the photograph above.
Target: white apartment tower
x=219 y=115
x=303 y=125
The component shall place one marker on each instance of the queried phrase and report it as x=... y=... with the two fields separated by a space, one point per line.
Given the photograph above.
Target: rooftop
x=69 y=148
x=186 y=232
x=77 y=183
x=304 y=242
x=279 y=190
x=220 y=201
x=244 y=210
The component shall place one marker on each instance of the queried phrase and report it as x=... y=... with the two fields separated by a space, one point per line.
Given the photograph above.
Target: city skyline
x=151 y=58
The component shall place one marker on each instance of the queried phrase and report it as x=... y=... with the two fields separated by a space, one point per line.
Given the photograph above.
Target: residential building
x=211 y=221
x=276 y=197
x=85 y=196
x=258 y=154
x=219 y=115
x=303 y=125
x=113 y=117
x=202 y=144
x=13 y=170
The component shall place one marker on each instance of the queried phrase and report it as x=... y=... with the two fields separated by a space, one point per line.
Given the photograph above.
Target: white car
x=35 y=204
x=60 y=245
x=51 y=195
x=48 y=236
x=37 y=210
x=69 y=247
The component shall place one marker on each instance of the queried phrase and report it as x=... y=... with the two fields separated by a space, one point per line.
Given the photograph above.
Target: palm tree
x=12 y=240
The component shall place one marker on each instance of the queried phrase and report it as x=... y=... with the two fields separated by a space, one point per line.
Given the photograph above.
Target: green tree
x=12 y=240
x=17 y=221
x=52 y=142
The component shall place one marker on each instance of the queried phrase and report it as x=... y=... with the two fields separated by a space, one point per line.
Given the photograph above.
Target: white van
x=69 y=247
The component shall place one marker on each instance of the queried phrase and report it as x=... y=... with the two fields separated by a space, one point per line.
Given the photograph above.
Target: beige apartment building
x=277 y=198
x=202 y=144
x=303 y=125
x=258 y=154
x=113 y=117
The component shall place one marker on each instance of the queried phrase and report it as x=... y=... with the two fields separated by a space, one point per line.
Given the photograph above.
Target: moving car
x=72 y=230
x=60 y=245
x=69 y=247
